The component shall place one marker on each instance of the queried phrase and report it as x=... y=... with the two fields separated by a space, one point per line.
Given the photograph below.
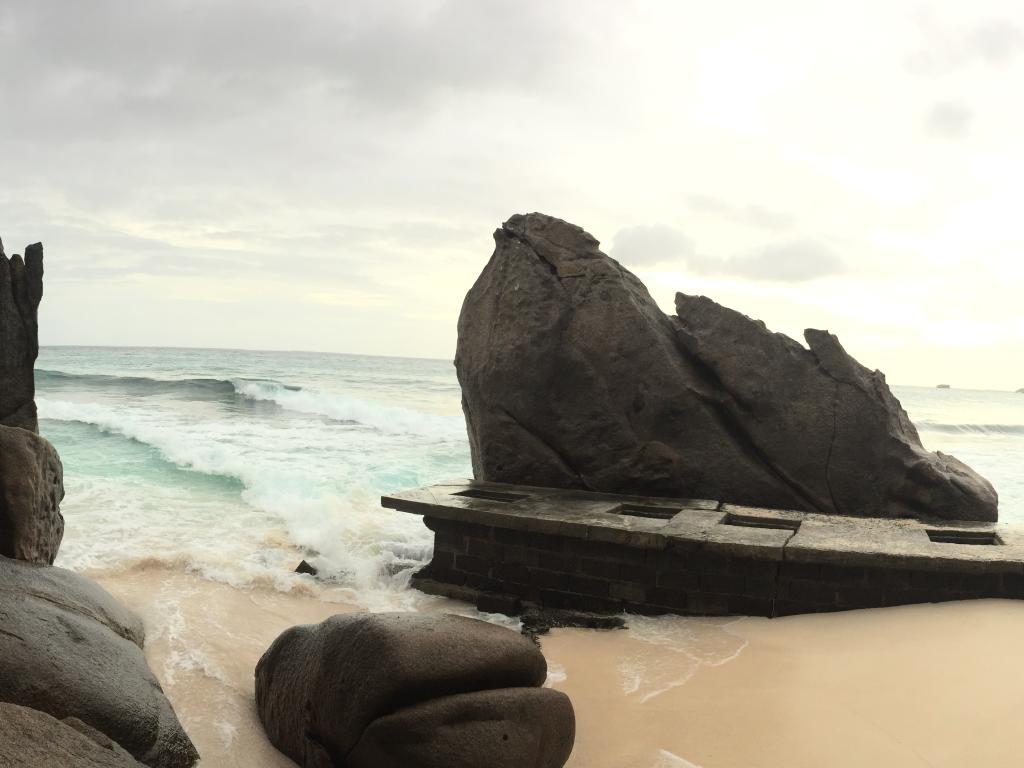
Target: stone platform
x=509 y=547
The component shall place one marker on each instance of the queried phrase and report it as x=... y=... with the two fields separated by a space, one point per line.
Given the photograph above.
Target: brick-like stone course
x=572 y=549
x=503 y=569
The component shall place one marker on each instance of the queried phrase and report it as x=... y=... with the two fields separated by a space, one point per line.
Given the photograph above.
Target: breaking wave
x=196 y=389
x=386 y=418
x=389 y=419
x=971 y=429
x=186 y=446
x=329 y=512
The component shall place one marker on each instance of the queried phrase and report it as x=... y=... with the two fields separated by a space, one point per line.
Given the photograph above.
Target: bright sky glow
x=326 y=176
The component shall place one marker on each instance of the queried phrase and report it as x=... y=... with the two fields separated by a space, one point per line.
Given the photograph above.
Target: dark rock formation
x=32 y=739
x=506 y=728
x=31 y=477
x=540 y=621
x=391 y=690
x=306 y=568
x=21 y=289
x=573 y=378
x=68 y=649
x=31 y=489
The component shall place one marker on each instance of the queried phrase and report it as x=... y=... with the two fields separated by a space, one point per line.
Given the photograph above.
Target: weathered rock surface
x=573 y=378
x=31 y=489
x=33 y=739
x=31 y=477
x=383 y=690
x=21 y=289
x=68 y=649
x=508 y=728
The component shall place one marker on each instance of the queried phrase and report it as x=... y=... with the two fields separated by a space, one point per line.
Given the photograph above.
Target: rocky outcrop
x=572 y=377
x=31 y=477
x=31 y=489
x=395 y=690
x=32 y=739
x=68 y=649
x=21 y=289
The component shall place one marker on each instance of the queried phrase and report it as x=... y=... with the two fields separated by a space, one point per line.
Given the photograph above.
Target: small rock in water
x=491 y=602
x=540 y=622
x=396 y=567
x=306 y=568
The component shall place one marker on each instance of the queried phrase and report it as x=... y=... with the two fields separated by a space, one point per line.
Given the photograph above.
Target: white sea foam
x=317 y=485
x=698 y=643
x=987 y=430
x=668 y=759
x=228 y=732
x=236 y=465
x=387 y=418
x=184 y=445
x=556 y=675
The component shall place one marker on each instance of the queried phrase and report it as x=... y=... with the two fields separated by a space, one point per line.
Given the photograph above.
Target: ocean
x=234 y=465
x=197 y=479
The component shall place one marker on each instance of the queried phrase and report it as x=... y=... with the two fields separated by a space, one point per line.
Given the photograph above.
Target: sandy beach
x=929 y=685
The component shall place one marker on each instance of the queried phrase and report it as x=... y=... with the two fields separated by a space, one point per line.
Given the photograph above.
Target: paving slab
x=774 y=534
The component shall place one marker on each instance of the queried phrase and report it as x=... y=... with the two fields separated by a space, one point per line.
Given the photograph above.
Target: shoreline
x=925 y=685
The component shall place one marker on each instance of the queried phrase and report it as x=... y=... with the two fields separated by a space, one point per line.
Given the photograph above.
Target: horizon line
x=244 y=349
x=393 y=357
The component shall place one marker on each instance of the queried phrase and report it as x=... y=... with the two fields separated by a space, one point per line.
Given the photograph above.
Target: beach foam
x=931 y=685
x=197 y=479
x=386 y=418
x=240 y=464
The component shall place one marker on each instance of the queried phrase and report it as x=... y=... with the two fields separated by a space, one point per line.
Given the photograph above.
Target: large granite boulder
x=572 y=377
x=21 y=289
x=33 y=739
x=396 y=690
x=31 y=489
x=68 y=649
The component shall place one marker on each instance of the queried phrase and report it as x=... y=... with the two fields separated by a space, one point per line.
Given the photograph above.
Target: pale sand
x=935 y=685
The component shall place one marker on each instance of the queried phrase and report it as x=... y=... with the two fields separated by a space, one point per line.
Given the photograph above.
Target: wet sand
x=933 y=685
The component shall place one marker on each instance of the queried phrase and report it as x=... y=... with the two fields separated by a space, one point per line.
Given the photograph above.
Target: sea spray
x=236 y=465
x=195 y=476
x=400 y=421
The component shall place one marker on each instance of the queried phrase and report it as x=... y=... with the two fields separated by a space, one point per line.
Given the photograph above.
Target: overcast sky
x=327 y=175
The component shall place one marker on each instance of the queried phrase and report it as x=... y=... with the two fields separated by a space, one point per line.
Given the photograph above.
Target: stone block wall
x=506 y=570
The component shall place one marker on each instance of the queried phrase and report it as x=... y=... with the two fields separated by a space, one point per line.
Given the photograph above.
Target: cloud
x=948 y=120
x=651 y=244
x=100 y=69
x=296 y=138
x=996 y=41
x=748 y=214
x=792 y=261
x=947 y=47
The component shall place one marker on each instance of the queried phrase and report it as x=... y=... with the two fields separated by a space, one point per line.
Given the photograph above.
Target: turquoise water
x=236 y=464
